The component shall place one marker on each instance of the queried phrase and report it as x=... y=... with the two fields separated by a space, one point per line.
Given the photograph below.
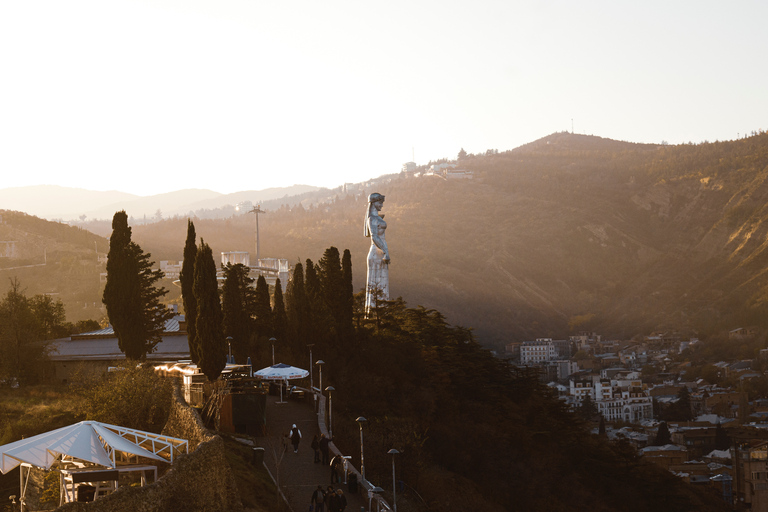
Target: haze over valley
x=566 y=233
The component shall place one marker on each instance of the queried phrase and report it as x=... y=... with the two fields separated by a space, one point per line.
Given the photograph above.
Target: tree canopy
x=130 y=295
x=24 y=323
x=238 y=304
x=187 y=281
x=209 y=333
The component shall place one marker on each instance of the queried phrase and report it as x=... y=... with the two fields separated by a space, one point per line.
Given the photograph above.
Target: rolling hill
x=567 y=233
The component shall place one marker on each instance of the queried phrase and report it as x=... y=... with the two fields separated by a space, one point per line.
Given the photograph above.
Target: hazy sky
x=159 y=95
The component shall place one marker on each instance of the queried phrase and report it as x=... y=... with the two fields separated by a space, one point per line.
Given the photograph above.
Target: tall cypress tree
x=187 y=279
x=130 y=295
x=322 y=326
x=662 y=435
x=209 y=334
x=279 y=316
x=332 y=282
x=722 y=441
x=297 y=310
x=346 y=317
x=236 y=315
x=262 y=310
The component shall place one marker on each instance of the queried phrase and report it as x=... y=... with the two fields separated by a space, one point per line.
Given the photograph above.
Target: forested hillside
x=566 y=233
x=569 y=232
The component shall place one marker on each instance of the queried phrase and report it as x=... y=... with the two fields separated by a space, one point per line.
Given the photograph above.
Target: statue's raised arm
x=377 y=287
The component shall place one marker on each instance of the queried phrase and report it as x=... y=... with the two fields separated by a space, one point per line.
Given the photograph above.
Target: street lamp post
x=272 y=341
x=360 y=420
x=393 y=452
x=320 y=364
x=371 y=493
x=229 y=344
x=330 y=389
x=311 y=377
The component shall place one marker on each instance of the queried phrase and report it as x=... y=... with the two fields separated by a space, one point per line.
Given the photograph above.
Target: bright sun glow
x=153 y=96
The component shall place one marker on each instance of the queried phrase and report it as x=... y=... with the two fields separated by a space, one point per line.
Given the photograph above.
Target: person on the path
x=318 y=499
x=330 y=497
x=335 y=469
x=295 y=438
x=341 y=501
x=316 y=447
x=324 y=448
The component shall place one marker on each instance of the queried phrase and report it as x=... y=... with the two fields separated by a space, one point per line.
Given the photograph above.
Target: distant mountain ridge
x=55 y=202
x=567 y=233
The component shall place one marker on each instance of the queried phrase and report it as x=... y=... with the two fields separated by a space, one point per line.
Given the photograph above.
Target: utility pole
x=257 y=210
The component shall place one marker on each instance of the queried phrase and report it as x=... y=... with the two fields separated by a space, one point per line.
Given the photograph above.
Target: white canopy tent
x=88 y=446
x=281 y=372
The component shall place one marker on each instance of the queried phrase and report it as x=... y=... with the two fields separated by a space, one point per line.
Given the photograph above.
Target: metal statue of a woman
x=377 y=287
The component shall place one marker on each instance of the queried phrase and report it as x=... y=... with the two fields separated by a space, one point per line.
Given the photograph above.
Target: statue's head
x=375 y=198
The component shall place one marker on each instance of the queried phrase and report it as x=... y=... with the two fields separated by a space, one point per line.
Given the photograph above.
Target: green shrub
x=131 y=397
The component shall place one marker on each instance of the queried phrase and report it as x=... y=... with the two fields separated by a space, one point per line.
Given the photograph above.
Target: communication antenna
x=572 y=126
x=257 y=210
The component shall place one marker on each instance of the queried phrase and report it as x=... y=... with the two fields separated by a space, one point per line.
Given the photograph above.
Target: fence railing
x=375 y=501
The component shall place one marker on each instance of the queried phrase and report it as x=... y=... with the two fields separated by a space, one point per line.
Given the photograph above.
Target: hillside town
x=710 y=430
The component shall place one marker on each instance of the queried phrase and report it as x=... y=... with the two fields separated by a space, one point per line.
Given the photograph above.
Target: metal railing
x=372 y=491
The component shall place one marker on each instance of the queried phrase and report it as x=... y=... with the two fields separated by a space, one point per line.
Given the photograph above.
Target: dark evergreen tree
x=297 y=310
x=209 y=334
x=588 y=409
x=315 y=305
x=262 y=310
x=236 y=308
x=332 y=282
x=22 y=357
x=662 y=435
x=50 y=317
x=346 y=327
x=279 y=316
x=322 y=326
x=722 y=441
x=187 y=280
x=601 y=427
x=683 y=405
x=130 y=295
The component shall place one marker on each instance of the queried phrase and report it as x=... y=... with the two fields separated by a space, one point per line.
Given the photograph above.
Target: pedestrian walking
x=335 y=469
x=318 y=499
x=324 y=448
x=333 y=501
x=341 y=501
x=330 y=496
x=295 y=438
x=316 y=447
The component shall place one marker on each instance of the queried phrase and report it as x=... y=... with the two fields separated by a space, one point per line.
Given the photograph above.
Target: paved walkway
x=298 y=474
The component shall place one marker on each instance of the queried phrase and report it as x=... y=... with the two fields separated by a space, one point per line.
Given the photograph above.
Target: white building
x=271 y=268
x=459 y=174
x=171 y=268
x=539 y=351
x=616 y=399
